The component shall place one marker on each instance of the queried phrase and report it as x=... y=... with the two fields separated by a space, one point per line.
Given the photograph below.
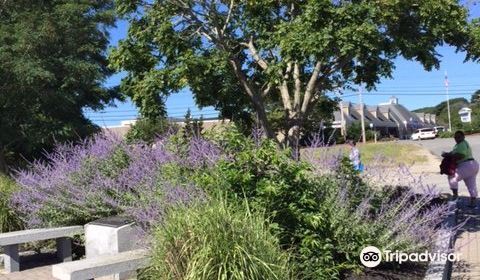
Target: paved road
x=437 y=146
x=468 y=239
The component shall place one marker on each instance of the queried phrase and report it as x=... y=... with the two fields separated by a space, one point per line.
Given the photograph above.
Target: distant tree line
x=266 y=63
x=441 y=112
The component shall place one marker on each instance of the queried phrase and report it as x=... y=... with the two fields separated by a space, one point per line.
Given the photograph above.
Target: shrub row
x=227 y=206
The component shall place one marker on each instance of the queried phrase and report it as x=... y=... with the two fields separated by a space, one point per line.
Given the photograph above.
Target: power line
x=111 y=118
x=418 y=91
x=175 y=107
x=119 y=114
x=405 y=94
x=433 y=86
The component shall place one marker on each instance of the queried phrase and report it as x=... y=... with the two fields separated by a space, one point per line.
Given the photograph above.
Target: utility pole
x=448 y=103
x=362 y=114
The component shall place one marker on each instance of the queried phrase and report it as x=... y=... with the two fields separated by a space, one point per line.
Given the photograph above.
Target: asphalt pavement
x=439 y=145
x=467 y=242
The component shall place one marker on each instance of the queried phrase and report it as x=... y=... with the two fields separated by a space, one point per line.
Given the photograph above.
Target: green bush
x=473 y=131
x=354 y=132
x=9 y=220
x=147 y=130
x=370 y=135
x=216 y=241
x=293 y=196
x=324 y=220
x=446 y=134
x=450 y=134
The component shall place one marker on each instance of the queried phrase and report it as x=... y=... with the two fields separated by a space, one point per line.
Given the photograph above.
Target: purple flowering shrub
x=324 y=213
x=104 y=176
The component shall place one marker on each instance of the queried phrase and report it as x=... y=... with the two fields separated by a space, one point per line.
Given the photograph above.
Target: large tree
x=52 y=66
x=290 y=51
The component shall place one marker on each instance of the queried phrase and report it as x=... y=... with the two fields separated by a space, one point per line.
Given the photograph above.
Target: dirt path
x=430 y=166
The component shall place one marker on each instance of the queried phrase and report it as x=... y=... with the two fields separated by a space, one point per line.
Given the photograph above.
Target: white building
x=465 y=114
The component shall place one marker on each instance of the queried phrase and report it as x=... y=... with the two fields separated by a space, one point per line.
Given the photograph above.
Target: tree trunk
x=255 y=96
x=293 y=138
x=3 y=163
x=262 y=117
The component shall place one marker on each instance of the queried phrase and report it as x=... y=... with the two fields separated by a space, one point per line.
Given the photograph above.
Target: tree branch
x=335 y=66
x=253 y=51
x=284 y=89
x=310 y=87
x=267 y=90
x=340 y=63
x=256 y=98
x=229 y=15
x=298 y=87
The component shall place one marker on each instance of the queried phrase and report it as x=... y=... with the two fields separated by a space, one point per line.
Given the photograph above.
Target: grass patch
x=398 y=153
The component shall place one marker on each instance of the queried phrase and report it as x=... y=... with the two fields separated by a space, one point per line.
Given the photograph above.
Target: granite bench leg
x=64 y=249
x=11 y=259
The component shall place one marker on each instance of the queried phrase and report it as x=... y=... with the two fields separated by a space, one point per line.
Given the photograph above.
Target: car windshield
x=427 y=130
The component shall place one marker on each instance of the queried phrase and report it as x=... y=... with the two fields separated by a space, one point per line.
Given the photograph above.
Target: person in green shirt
x=467 y=167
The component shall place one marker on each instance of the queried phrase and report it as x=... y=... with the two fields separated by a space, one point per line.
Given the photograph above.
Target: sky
x=411 y=84
x=177 y=104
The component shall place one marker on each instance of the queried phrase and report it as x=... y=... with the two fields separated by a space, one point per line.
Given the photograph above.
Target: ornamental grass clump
x=324 y=217
x=217 y=240
x=9 y=220
x=104 y=176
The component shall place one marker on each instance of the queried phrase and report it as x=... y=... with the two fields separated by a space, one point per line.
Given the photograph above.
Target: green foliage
x=53 y=65
x=192 y=127
x=217 y=240
x=456 y=104
x=148 y=129
x=370 y=135
x=441 y=112
x=280 y=57
x=286 y=190
x=9 y=220
x=318 y=217
x=354 y=132
x=446 y=134
x=475 y=99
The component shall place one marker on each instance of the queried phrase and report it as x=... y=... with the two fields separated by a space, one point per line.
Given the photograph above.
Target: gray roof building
x=389 y=118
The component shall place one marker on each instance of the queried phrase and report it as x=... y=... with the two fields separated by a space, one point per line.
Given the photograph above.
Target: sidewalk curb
x=442 y=270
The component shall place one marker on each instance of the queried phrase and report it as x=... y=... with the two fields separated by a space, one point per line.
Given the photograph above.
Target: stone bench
x=10 y=241
x=101 y=266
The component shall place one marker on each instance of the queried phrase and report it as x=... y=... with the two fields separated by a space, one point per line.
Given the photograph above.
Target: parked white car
x=423 y=133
